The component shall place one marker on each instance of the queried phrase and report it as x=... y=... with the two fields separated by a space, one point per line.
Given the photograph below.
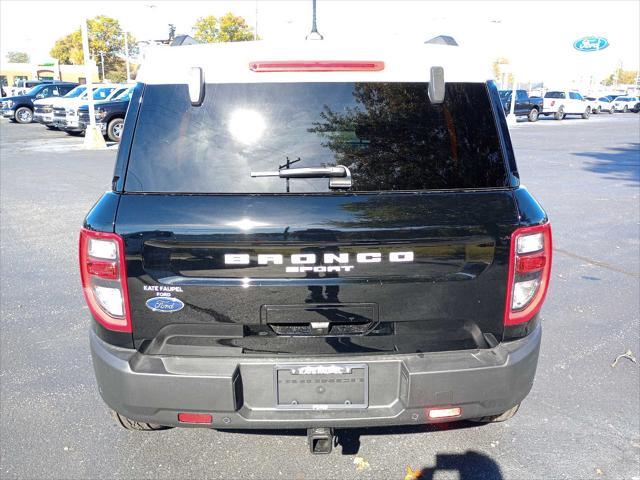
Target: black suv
x=314 y=244
x=20 y=107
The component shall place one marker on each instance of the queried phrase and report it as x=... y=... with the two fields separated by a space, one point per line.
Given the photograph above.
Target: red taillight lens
x=104 y=279
x=529 y=273
x=553 y=102
x=195 y=418
x=316 y=66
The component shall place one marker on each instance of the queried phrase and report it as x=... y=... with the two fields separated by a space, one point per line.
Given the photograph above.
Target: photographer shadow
x=469 y=465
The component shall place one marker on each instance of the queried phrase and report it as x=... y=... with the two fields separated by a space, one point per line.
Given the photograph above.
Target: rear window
x=387 y=134
x=554 y=95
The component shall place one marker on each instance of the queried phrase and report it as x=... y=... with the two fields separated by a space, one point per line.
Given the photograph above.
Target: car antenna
x=314 y=34
x=287 y=165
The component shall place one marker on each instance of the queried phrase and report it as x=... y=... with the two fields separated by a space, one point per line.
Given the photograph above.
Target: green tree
x=228 y=28
x=625 y=77
x=498 y=72
x=17 y=57
x=105 y=35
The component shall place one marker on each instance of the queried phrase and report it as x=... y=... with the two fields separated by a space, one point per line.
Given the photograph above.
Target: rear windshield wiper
x=339 y=176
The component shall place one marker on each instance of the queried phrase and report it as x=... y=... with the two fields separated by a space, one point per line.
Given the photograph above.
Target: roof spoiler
x=443 y=40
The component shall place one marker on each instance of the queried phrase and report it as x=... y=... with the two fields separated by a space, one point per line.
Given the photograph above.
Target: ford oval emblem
x=590 y=44
x=164 y=304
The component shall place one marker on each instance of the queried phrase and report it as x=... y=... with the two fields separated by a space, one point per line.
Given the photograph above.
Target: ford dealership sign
x=590 y=44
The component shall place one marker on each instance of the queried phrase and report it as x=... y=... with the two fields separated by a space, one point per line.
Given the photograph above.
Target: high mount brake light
x=104 y=279
x=316 y=66
x=529 y=273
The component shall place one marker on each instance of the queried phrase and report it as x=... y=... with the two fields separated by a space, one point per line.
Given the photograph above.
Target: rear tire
x=598 y=110
x=129 y=424
x=24 y=115
x=559 y=114
x=625 y=109
x=501 y=417
x=533 y=115
x=73 y=133
x=587 y=113
x=611 y=111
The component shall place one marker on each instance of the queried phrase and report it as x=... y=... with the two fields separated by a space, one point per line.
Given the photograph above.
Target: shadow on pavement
x=469 y=465
x=619 y=163
x=349 y=439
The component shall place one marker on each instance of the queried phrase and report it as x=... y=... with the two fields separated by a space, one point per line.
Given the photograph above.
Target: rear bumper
x=240 y=392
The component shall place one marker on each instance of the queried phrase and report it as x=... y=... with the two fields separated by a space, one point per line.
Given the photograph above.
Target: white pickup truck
x=561 y=103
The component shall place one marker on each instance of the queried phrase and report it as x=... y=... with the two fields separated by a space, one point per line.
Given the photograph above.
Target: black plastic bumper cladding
x=240 y=393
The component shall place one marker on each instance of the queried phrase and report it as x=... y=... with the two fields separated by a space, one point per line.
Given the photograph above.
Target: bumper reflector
x=451 y=412
x=195 y=418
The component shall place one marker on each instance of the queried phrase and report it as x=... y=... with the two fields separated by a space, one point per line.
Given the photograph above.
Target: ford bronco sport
x=314 y=237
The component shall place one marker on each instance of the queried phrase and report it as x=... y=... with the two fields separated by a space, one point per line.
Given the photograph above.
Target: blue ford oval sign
x=590 y=44
x=164 y=304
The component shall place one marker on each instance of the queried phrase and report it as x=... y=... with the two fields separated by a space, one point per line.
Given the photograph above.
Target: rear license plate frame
x=313 y=375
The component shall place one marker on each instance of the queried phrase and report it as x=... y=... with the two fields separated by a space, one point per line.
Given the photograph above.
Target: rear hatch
x=411 y=256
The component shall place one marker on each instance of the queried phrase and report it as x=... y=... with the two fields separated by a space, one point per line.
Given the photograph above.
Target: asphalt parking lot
x=581 y=420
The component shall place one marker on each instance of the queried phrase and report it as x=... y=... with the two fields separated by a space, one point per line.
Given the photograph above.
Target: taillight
x=529 y=272
x=553 y=102
x=104 y=279
x=316 y=66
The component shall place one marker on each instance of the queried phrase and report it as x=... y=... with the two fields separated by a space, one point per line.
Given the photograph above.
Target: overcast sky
x=536 y=36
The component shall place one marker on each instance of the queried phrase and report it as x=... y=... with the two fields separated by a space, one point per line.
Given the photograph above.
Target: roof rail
x=443 y=40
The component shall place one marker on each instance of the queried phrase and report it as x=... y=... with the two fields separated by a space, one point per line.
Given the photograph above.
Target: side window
x=65 y=89
x=521 y=96
x=575 y=96
x=55 y=92
x=118 y=92
x=3 y=81
x=44 y=93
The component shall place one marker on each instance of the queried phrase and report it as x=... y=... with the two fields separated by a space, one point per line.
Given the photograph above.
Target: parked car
x=525 y=106
x=20 y=108
x=43 y=108
x=600 y=104
x=626 y=104
x=23 y=86
x=65 y=117
x=561 y=103
x=303 y=243
x=110 y=115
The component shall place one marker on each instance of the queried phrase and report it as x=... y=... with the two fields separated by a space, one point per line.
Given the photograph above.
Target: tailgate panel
x=454 y=279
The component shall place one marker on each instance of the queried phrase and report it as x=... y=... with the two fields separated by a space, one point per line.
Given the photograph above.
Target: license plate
x=321 y=386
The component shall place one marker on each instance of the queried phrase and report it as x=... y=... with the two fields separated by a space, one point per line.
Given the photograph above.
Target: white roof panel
x=229 y=62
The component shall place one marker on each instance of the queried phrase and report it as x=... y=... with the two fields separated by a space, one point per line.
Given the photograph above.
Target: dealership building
x=14 y=74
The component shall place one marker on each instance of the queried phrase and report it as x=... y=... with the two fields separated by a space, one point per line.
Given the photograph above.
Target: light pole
x=93 y=138
x=101 y=53
x=126 y=54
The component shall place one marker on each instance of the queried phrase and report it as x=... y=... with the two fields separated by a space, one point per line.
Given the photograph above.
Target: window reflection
x=388 y=134
x=246 y=126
